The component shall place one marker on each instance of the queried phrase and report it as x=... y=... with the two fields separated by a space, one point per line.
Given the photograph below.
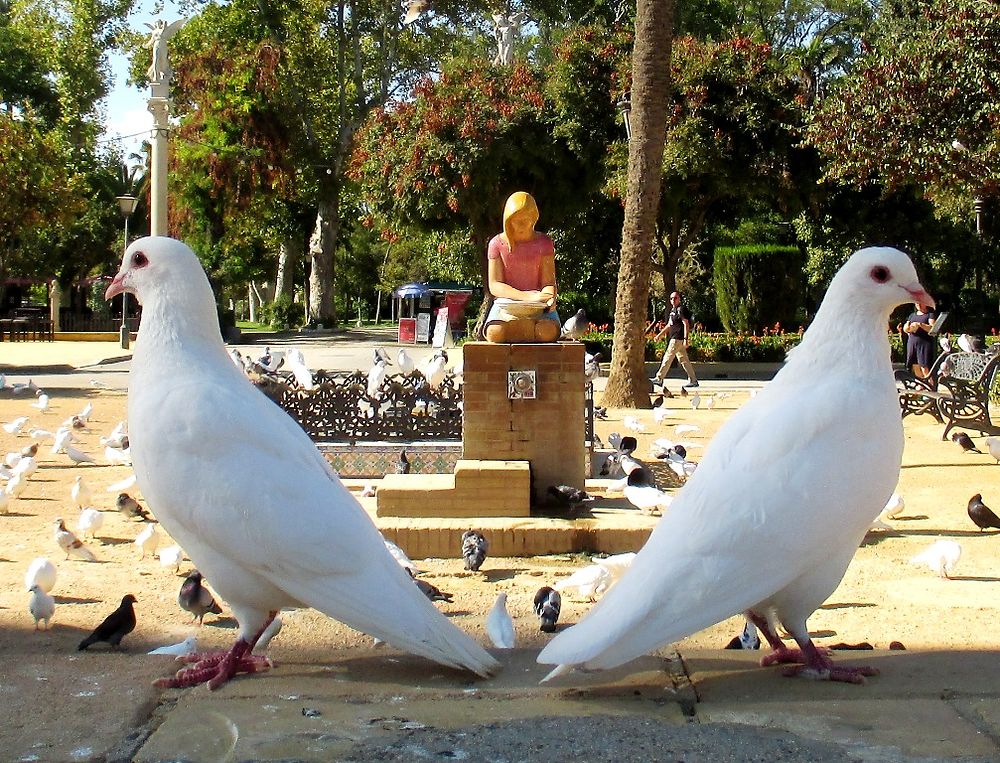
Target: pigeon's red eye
x=139 y=260
x=880 y=274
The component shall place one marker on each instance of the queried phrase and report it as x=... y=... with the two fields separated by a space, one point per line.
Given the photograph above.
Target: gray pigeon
x=432 y=592
x=965 y=442
x=197 y=599
x=548 y=602
x=115 y=627
x=474 y=547
x=130 y=508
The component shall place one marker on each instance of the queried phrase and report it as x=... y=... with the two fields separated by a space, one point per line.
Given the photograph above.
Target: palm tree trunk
x=628 y=386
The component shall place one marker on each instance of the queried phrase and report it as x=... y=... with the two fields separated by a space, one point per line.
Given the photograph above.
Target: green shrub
x=757 y=285
x=281 y=314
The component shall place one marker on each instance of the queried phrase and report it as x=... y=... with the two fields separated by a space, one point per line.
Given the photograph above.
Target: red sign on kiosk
x=407 y=331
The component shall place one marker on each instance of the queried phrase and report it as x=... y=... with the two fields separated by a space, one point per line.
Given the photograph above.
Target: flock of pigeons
x=58 y=446
x=304 y=542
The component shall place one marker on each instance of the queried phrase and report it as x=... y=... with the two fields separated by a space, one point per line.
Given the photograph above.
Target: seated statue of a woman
x=522 y=278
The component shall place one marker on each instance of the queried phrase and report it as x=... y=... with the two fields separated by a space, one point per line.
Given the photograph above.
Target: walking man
x=679 y=329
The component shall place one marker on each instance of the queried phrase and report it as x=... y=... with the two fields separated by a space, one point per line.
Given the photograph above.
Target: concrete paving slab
x=302 y=711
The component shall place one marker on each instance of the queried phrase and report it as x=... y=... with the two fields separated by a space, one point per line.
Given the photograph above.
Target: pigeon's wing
x=235 y=477
x=765 y=506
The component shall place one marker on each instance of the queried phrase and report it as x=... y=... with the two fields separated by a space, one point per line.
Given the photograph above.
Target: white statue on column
x=160 y=33
x=506 y=27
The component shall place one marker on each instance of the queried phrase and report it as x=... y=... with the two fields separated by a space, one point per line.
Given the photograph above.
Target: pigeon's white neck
x=179 y=328
x=848 y=335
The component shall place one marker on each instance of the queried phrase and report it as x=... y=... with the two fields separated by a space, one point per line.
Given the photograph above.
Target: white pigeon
x=404 y=361
x=433 y=369
x=26 y=466
x=41 y=572
x=117 y=457
x=225 y=469
x=122 y=485
x=63 y=437
x=682 y=429
x=15 y=426
x=586 y=583
x=941 y=557
x=945 y=343
x=38 y=434
x=965 y=342
x=148 y=540
x=72 y=545
x=993 y=443
x=4 y=502
x=182 y=649
x=41 y=606
x=499 y=625
x=296 y=363
x=77 y=456
x=695 y=401
x=661 y=414
x=85 y=412
x=41 y=402
x=400 y=556
x=376 y=375
x=633 y=424
x=80 y=492
x=171 y=556
x=591 y=366
x=776 y=470
x=643 y=494
x=616 y=565
x=16 y=485
x=90 y=522
x=893 y=507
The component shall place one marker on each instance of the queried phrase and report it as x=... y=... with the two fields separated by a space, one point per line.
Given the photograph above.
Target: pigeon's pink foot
x=781 y=655
x=818 y=666
x=216 y=668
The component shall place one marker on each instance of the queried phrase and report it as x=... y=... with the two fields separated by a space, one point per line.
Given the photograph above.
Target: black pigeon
x=547 y=605
x=628 y=445
x=748 y=639
x=658 y=401
x=130 y=507
x=684 y=392
x=197 y=599
x=965 y=441
x=981 y=514
x=403 y=464
x=115 y=627
x=474 y=547
x=432 y=592
x=601 y=413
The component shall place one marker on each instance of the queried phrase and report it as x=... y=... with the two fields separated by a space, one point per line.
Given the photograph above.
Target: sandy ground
x=100 y=695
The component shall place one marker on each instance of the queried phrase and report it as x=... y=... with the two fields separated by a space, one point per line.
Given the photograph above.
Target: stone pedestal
x=547 y=430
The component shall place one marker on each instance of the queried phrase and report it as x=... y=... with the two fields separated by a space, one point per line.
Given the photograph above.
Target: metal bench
x=957 y=393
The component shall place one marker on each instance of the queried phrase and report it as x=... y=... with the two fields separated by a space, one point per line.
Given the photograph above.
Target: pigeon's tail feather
x=84 y=553
x=396 y=612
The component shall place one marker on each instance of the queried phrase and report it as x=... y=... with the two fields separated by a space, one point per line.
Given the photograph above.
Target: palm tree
x=627 y=384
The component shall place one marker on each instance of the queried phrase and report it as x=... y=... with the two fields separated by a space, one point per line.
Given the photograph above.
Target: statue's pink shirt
x=522 y=268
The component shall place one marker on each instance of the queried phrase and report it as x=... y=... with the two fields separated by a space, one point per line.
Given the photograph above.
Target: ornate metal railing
x=339 y=409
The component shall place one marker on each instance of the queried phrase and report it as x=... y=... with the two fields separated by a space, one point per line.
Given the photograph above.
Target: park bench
x=957 y=392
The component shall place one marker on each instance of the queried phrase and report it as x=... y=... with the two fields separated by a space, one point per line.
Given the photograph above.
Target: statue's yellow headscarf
x=518 y=201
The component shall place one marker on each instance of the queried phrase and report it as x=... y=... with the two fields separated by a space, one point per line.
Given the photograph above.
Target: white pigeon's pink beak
x=919 y=294
x=117 y=286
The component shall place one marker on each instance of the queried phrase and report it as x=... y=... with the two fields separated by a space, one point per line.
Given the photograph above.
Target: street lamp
x=625 y=107
x=978 y=204
x=126 y=204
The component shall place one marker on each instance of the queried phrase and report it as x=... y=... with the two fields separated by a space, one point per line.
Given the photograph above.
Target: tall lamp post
x=126 y=204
